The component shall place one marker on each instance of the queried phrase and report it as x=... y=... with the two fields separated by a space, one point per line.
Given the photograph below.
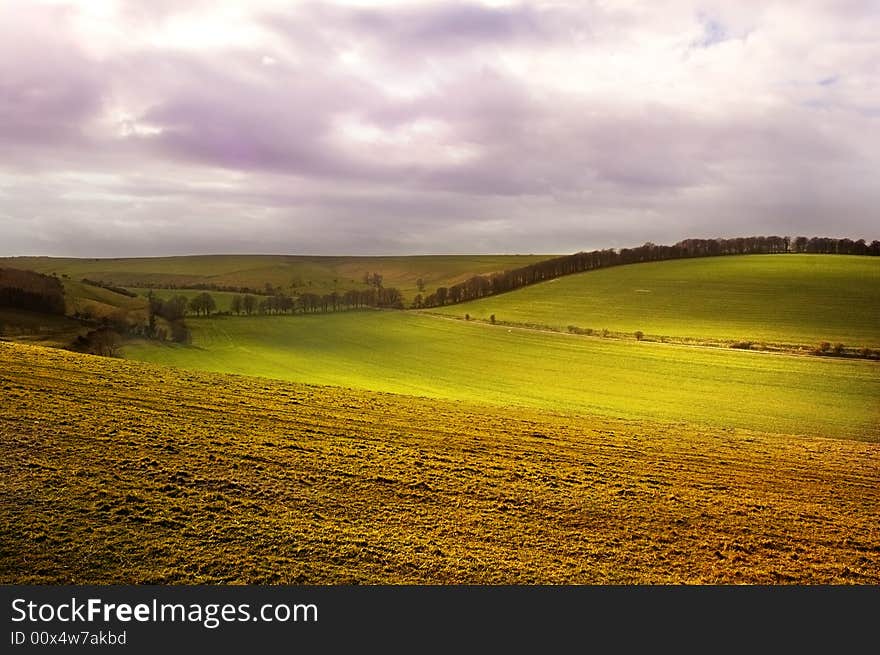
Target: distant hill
x=291 y=273
x=788 y=298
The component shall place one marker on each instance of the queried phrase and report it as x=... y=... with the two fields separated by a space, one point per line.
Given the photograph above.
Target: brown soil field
x=120 y=472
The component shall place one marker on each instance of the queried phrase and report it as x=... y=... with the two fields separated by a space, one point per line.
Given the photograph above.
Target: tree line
x=480 y=286
x=178 y=307
x=32 y=291
x=313 y=303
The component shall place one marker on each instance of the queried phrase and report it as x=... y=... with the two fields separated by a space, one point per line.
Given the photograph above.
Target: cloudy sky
x=170 y=127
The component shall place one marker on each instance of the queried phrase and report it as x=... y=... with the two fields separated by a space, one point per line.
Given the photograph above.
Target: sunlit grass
x=423 y=355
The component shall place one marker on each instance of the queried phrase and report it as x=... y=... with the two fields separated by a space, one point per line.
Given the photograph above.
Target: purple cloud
x=49 y=89
x=442 y=126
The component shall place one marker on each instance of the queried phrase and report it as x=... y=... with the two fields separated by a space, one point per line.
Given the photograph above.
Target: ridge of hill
x=794 y=299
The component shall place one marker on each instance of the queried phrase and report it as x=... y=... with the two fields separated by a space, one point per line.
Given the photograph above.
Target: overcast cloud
x=161 y=127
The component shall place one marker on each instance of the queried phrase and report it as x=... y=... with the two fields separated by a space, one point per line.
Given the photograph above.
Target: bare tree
x=104 y=342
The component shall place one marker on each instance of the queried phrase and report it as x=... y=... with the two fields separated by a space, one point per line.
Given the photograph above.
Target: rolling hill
x=407 y=352
x=121 y=472
x=793 y=299
x=289 y=272
x=98 y=301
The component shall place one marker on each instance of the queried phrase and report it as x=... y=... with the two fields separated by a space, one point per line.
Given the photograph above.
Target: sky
x=164 y=127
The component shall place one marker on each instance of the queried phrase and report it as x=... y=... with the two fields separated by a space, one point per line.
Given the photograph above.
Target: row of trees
x=311 y=303
x=772 y=245
x=827 y=246
x=176 y=308
x=203 y=304
x=32 y=291
x=481 y=286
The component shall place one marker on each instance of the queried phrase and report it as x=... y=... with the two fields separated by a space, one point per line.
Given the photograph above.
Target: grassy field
x=302 y=273
x=797 y=299
x=120 y=472
x=430 y=356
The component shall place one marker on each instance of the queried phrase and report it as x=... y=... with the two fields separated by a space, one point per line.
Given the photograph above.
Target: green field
x=780 y=298
x=793 y=299
x=430 y=356
x=289 y=272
